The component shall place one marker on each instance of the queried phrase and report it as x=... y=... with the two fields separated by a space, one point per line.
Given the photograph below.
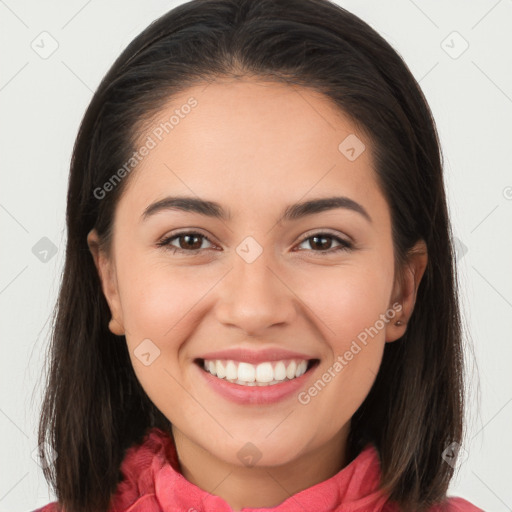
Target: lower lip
x=256 y=395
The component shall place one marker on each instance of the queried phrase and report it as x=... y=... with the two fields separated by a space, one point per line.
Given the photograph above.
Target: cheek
x=155 y=299
x=158 y=305
x=346 y=300
x=349 y=305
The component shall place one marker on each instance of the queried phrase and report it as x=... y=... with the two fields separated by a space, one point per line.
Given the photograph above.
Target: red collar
x=152 y=482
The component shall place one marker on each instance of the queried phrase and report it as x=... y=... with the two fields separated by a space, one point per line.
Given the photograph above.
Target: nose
x=253 y=296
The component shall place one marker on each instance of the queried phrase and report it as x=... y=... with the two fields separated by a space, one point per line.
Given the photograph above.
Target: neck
x=260 y=486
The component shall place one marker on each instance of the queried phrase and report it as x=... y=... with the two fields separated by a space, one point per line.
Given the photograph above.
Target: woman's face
x=267 y=275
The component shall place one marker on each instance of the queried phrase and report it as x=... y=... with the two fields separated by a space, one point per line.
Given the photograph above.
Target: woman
x=259 y=303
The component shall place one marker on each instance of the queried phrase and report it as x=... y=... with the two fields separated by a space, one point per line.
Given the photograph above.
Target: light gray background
x=42 y=101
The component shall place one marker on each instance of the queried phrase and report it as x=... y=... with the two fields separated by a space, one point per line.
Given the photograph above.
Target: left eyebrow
x=299 y=210
x=292 y=212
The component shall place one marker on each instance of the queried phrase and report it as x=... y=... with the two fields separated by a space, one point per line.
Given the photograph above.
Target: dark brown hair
x=94 y=407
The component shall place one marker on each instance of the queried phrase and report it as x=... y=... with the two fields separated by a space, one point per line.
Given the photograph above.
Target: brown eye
x=189 y=242
x=322 y=243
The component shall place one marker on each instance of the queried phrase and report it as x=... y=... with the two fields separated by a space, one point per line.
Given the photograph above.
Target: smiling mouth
x=269 y=373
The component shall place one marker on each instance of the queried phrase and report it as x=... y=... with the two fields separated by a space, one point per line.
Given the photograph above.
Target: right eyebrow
x=187 y=204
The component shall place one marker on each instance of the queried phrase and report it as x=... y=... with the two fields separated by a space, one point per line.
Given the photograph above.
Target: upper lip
x=255 y=356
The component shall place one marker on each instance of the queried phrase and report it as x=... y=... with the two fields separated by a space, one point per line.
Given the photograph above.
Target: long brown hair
x=94 y=407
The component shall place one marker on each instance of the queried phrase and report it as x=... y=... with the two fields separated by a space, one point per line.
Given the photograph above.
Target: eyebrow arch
x=292 y=212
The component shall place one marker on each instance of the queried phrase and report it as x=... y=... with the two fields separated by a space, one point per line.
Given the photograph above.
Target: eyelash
x=165 y=243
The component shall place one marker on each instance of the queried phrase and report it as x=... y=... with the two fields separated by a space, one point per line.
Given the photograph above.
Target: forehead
x=248 y=141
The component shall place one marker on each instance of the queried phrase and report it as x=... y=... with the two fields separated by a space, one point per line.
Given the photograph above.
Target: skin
x=255 y=147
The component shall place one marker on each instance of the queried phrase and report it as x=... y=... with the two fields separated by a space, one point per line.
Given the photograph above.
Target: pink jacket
x=152 y=483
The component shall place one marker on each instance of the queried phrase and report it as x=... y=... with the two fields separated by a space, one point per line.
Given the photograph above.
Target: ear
x=107 y=274
x=405 y=290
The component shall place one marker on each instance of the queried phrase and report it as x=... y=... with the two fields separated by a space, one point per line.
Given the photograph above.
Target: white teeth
x=301 y=369
x=280 y=371
x=290 y=370
x=212 y=367
x=221 y=369
x=231 y=371
x=263 y=374
x=246 y=372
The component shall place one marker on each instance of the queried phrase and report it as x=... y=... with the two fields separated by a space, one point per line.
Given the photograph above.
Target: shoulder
x=456 y=505
x=51 y=507
x=451 y=504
